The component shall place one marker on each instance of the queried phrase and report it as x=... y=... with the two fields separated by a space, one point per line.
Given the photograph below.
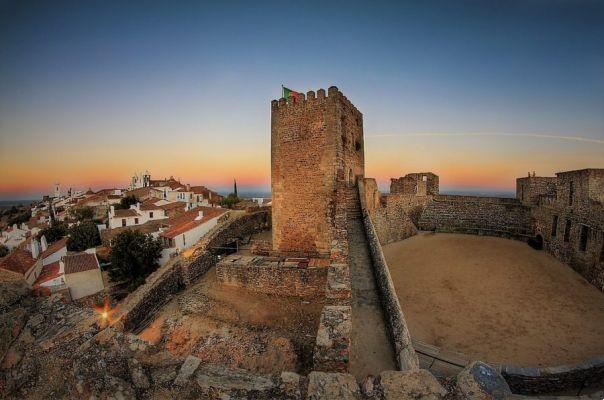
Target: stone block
x=479 y=381
x=407 y=385
x=324 y=385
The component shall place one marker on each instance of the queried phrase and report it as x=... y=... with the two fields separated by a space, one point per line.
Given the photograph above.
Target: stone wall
x=529 y=189
x=526 y=380
x=491 y=216
x=173 y=276
x=316 y=143
x=398 y=215
x=334 y=336
x=404 y=353
x=265 y=275
x=418 y=183
x=571 y=222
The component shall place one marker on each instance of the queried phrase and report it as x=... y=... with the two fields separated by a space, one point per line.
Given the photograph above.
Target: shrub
x=134 y=256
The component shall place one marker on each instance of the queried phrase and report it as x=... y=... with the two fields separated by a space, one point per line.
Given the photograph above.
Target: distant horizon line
x=266 y=193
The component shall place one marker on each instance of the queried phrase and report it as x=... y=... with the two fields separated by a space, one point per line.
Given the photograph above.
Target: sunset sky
x=478 y=92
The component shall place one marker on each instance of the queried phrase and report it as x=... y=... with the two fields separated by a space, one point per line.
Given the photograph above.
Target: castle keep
x=316 y=151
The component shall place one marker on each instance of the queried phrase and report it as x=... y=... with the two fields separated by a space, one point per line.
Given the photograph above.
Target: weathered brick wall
x=478 y=215
x=272 y=277
x=418 y=183
x=397 y=217
x=530 y=189
x=584 y=213
x=316 y=142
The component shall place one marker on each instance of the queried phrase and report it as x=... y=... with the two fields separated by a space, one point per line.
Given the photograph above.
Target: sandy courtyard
x=496 y=300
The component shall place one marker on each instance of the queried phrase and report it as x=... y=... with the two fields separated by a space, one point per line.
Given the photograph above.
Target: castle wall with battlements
x=316 y=150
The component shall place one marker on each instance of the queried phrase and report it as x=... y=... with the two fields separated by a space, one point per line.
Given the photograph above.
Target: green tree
x=54 y=232
x=126 y=202
x=230 y=200
x=3 y=250
x=83 y=236
x=83 y=213
x=134 y=256
x=19 y=218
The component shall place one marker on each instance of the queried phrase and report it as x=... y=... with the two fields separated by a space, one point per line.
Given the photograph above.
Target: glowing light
x=104 y=312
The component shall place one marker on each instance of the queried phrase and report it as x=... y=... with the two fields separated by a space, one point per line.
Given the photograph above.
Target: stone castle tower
x=317 y=151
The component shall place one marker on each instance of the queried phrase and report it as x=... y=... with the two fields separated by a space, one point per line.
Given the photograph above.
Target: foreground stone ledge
x=407 y=385
x=323 y=385
x=332 y=349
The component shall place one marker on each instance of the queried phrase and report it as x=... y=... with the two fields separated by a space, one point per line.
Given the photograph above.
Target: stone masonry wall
x=316 y=142
x=173 y=276
x=417 y=183
x=573 y=230
x=530 y=189
x=397 y=217
x=283 y=278
x=478 y=215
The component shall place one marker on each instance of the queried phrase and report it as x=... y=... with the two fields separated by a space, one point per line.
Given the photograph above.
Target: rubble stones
x=187 y=369
x=322 y=385
x=408 y=385
x=480 y=381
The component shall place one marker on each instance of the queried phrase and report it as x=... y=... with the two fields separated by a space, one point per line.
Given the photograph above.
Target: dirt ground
x=238 y=328
x=496 y=300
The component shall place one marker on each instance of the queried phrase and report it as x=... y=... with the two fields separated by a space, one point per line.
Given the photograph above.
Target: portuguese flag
x=287 y=93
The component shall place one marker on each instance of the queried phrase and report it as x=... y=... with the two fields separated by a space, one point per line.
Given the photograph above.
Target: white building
x=140 y=180
x=82 y=274
x=13 y=236
x=137 y=214
x=186 y=229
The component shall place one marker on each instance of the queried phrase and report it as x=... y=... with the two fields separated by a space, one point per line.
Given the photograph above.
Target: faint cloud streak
x=487 y=134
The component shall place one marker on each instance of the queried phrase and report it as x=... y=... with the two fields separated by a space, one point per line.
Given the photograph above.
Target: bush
x=126 y=202
x=230 y=200
x=83 y=213
x=19 y=218
x=54 y=232
x=83 y=236
x=134 y=256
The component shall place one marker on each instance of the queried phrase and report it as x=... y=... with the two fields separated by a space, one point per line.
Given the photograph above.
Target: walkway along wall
x=406 y=358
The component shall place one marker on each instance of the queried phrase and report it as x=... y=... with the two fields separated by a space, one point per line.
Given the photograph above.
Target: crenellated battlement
x=332 y=94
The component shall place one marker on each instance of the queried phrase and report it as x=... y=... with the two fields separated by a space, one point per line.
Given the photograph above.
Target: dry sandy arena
x=496 y=299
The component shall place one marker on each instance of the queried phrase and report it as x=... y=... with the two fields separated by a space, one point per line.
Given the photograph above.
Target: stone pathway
x=371 y=351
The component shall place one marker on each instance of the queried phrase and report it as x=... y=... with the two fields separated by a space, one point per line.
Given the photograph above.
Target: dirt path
x=496 y=300
x=371 y=351
x=238 y=328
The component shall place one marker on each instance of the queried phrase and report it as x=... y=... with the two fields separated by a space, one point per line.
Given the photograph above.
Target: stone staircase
x=353 y=204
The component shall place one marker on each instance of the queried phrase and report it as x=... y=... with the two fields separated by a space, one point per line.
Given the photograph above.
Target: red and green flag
x=287 y=93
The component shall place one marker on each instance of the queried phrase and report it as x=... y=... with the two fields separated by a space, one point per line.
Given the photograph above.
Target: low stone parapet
x=332 y=349
x=272 y=276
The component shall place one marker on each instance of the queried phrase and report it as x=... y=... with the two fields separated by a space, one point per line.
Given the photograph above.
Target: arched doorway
x=536 y=242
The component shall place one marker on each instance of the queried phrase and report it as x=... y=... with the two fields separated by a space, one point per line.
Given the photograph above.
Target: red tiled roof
x=80 y=262
x=172 y=206
x=18 y=260
x=149 y=205
x=50 y=271
x=54 y=247
x=186 y=221
x=126 y=213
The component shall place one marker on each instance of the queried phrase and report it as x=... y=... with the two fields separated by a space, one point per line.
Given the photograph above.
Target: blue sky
x=479 y=92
